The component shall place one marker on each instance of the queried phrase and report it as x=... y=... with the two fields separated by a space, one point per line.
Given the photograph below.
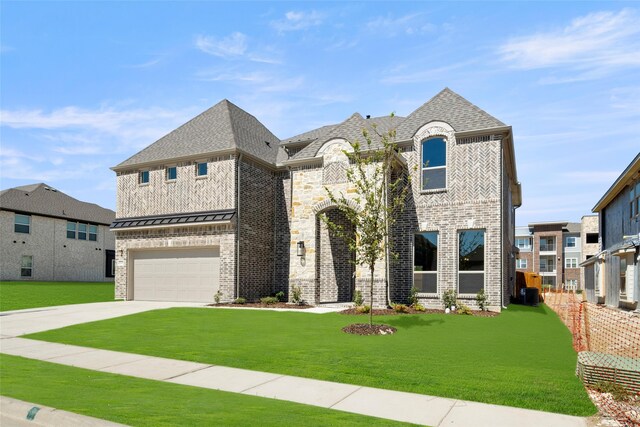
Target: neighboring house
x=553 y=250
x=613 y=272
x=222 y=205
x=50 y=236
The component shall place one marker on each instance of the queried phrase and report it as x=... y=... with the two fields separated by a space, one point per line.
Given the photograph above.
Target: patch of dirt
x=410 y=310
x=366 y=329
x=613 y=413
x=260 y=305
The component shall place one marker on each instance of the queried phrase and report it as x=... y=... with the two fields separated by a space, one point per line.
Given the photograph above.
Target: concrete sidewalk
x=394 y=405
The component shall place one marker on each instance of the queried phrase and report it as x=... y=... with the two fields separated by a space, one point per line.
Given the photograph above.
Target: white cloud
x=234 y=45
x=295 y=21
x=408 y=24
x=592 y=45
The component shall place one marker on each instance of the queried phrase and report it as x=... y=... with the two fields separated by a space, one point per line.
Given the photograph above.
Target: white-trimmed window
x=82 y=231
x=571 y=285
x=143 y=177
x=571 y=263
x=570 y=242
x=434 y=163
x=93 y=233
x=634 y=200
x=71 y=230
x=425 y=262
x=523 y=243
x=26 y=266
x=201 y=169
x=521 y=263
x=470 y=261
x=22 y=224
x=171 y=173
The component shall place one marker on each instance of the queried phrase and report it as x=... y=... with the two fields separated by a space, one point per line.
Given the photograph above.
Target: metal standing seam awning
x=172 y=220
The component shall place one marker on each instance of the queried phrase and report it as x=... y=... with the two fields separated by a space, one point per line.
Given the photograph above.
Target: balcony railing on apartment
x=547 y=269
x=547 y=248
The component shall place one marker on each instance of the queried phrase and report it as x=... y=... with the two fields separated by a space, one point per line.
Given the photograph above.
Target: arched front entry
x=334 y=261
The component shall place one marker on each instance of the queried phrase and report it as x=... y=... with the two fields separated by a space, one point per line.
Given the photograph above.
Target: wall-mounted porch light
x=300 y=251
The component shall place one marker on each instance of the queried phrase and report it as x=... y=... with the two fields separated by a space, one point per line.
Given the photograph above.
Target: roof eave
x=618 y=185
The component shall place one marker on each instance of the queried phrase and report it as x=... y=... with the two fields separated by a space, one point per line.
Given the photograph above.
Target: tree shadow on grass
x=406 y=322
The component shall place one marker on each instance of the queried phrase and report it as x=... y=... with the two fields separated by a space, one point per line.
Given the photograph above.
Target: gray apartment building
x=223 y=205
x=553 y=250
x=50 y=236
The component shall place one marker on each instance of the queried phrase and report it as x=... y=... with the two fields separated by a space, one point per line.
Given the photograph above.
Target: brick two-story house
x=223 y=205
x=48 y=235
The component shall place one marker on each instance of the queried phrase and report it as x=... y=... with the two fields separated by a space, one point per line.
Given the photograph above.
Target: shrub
x=463 y=309
x=240 y=300
x=546 y=288
x=217 y=296
x=358 y=300
x=296 y=295
x=617 y=391
x=400 y=308
x=280 y=296
x=481 y=299
x=449 y=298
x=419 y=307
x=413 y=296
x=269 y=300
x=362 y=309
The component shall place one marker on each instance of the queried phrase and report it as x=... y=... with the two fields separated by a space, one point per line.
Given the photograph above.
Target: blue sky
x=84 y=85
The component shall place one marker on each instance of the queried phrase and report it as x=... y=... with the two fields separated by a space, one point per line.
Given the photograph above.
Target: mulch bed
x=260 y=305
x=366 y=329
x=390 y=312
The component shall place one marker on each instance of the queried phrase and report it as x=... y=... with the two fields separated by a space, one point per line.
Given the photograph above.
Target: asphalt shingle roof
x=351 y=130
x=42 y=199
x=223 y=126
x=449 y=107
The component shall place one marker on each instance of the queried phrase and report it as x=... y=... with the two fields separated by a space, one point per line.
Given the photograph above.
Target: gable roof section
x=42 y=199
x=447 y=106
x=351 y=130
x=629 y=173
x=224 y=126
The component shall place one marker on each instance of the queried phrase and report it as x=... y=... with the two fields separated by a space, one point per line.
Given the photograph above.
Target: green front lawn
x=140 y=402
x=19 y=295
x=522 y=358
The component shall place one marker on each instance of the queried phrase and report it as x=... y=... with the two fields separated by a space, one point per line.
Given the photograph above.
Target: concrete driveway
x=29 y=321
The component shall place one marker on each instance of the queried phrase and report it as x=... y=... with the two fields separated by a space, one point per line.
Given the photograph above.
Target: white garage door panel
x=176 y=275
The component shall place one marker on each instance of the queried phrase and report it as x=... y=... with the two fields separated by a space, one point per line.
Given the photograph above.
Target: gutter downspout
x=237 y=292
x=502 y=224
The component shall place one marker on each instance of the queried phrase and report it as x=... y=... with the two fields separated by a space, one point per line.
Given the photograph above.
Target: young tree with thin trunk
x=379 y=198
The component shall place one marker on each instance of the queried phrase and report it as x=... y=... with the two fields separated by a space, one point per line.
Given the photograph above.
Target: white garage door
x=176 y=275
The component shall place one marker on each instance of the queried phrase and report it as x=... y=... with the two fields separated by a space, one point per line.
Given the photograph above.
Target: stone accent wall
x=177 y=237
x=257 y=233
x=55 y=257
x=334 y=259
x=310 y=198
x=188 y=193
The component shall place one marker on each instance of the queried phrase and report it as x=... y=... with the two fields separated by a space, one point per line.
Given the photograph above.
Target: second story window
x=434 y=164
x=71 y=230
x=523 y=243
x=82 y=231
x=143 y=177
x=22 y=224
x=93 y=233
x=571 y=242
x=201 y=169
x=171 y=173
